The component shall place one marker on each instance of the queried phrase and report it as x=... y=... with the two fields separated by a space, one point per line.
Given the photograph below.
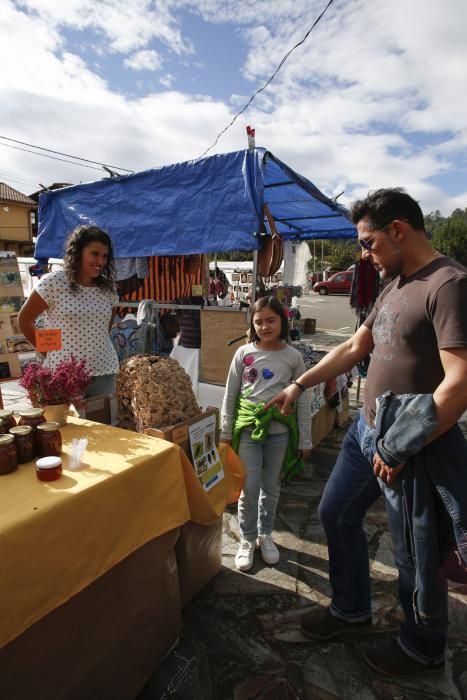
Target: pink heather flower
x=66 y=383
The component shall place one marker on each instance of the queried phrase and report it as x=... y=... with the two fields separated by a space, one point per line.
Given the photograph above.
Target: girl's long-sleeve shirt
x=259 y=375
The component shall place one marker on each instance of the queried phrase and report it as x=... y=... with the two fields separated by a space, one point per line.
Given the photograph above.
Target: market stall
x=96 y=567
x=247 y=200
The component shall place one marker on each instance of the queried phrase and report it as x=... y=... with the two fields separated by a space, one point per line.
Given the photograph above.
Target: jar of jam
x=32 y=417
x=7 y=418
x=25 y=443
x=48 y=440
x=49 y=468
x=8 y=454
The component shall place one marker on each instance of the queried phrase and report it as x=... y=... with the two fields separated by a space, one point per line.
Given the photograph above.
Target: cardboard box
x=100 y=409
x=179 y=435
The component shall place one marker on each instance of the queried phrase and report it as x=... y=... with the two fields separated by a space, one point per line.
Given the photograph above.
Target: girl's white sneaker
x=245 y=555
x=269 y=551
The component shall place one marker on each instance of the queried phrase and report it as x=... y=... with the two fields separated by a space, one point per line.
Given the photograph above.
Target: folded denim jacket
x=403 y=424
x=437 y=471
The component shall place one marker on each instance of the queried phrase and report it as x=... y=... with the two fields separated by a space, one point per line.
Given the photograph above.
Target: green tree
x=339 y=254
x=450 y=236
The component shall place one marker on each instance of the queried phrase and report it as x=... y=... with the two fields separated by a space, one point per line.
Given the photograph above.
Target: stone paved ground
x=241 y=637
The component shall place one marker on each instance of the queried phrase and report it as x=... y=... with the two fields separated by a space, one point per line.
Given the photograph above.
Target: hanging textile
x=365 y=288
x=170 y=277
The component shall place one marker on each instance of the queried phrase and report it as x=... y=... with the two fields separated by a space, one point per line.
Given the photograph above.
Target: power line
x=59 y=153
x=44 y=155
x=270 y=79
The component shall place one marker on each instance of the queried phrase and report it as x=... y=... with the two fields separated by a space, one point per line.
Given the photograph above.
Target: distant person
x=406 y=435
x=269 y=444
x=79 y=300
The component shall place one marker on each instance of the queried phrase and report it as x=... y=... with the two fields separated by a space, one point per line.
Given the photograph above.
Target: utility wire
x=59 y=153
x=44 y=155
x=270 y=79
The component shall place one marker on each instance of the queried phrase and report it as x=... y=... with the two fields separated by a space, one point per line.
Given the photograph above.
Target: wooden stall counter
x=219 y=325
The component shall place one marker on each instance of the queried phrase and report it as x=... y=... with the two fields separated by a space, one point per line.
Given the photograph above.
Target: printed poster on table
x=206 y=460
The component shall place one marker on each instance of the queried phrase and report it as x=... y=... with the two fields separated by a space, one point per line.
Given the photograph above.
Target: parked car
x=338 y=283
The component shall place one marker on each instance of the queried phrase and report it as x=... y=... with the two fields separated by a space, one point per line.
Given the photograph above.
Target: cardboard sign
x=48 y=339
x=197 y=290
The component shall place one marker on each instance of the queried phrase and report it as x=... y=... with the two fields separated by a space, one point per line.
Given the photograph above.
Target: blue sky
x=375 y=97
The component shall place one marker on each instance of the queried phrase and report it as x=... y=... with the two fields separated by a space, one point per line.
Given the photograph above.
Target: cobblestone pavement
x=241 y=638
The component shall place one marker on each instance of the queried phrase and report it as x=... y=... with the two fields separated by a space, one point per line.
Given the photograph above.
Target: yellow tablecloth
x=56 y=538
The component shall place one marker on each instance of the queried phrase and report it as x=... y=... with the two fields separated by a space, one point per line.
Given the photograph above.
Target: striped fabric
x=168 y=280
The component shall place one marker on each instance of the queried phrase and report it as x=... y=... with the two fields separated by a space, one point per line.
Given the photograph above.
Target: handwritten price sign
x=48 y=339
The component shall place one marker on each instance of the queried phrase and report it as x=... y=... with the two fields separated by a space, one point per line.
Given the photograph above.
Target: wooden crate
x=322 y=423
x=10 y=367
x=344 y=415
x=218 y=326
x=179 y=434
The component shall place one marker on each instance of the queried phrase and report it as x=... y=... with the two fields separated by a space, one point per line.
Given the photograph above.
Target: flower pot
x=56 y=412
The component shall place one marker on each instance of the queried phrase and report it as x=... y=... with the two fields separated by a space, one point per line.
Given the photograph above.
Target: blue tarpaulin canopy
x=210 y=205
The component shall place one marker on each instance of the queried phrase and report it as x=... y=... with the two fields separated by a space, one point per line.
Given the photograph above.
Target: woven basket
x=153 y=392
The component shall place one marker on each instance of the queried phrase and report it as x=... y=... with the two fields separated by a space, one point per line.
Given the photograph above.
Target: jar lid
x=21 y=430
x=5 y=413
x=48 y=462
x=32 y=412
x=6 y=439
x=48 y=427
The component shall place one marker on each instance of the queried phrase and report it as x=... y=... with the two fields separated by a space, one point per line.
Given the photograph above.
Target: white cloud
x=144 y=60
x=348 y=109
x=167 y=80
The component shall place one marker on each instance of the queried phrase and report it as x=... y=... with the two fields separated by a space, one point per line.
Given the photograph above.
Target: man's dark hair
x=383 y=206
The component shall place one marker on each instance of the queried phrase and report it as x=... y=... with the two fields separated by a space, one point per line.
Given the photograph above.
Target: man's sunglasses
x=368 y=245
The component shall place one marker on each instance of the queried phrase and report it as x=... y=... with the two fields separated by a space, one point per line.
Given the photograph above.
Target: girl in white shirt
x=79 y=300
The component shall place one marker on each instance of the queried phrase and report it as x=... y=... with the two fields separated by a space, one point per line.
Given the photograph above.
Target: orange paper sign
x=48 y=339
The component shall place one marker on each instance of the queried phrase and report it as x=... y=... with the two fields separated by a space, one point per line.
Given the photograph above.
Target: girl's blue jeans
x=350 y=491
x=263 y=465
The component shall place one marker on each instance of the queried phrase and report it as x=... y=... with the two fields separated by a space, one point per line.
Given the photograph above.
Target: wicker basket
x=152 y=392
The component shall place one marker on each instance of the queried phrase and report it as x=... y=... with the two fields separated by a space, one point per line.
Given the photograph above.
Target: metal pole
x=314 y=256
x=255 y=272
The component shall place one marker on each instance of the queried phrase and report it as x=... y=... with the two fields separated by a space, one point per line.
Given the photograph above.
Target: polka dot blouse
x=83 y=317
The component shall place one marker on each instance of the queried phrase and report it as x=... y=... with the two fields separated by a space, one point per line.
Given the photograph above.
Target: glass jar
x=25 y=443
x=49 y=468
x=32 y=417
x=8 y=454
x=7 y=418
x=48 y=440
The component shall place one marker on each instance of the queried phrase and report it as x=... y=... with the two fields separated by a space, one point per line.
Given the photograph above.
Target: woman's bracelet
x=302 y=387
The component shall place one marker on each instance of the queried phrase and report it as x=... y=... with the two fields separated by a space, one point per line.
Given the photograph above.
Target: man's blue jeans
x=263 y=465
x=350 y=491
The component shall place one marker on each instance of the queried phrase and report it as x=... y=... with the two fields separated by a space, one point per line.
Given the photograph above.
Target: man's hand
x=285 y=399
x=385 y=473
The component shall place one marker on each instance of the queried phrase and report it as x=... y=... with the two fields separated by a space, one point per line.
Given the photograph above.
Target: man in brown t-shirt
x=417 y=337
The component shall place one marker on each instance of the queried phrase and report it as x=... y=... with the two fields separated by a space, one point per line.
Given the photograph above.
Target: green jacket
x=252 y=414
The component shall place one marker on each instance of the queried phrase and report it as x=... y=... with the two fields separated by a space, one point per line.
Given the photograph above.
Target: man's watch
x=302 y=387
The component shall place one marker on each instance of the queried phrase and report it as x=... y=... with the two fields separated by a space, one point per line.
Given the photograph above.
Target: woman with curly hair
x=79 y=300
